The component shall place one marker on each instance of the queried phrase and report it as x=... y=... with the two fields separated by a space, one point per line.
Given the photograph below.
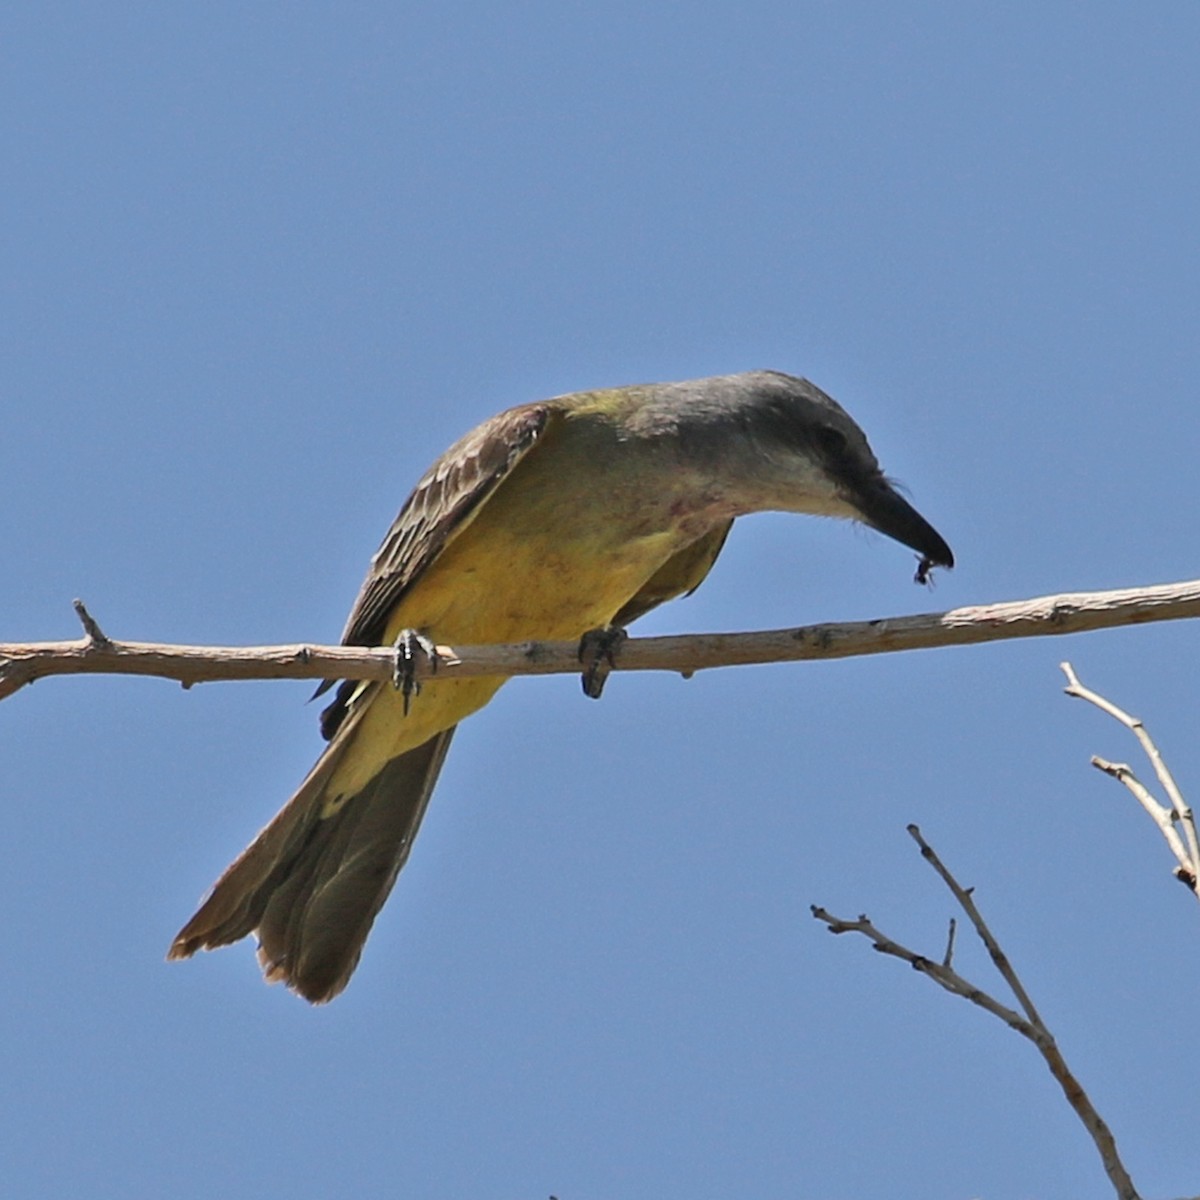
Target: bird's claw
x=409 y=646
x=598 y=650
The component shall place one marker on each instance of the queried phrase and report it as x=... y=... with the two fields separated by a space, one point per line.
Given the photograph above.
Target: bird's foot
x=598 y=650
x=409 y=646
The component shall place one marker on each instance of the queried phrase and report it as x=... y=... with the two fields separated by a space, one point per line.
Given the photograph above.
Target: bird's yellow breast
x=557 y=549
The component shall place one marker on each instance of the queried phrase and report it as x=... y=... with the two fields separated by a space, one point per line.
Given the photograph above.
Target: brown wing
x=442 y=504
x=681 y=574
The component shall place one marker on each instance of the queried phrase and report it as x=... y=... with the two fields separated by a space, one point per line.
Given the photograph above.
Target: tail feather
x=311 y=936
x=311 y=888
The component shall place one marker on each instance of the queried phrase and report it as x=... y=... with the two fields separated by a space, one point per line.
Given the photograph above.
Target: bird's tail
x=311 y=886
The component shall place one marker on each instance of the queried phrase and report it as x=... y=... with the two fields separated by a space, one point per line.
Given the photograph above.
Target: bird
x=552 y=520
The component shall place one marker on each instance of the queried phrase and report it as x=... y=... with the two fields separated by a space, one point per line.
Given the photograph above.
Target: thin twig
x=948 y=957
x=1166 y=817
x=948 y=978
x=1159 y=813
x=21 y=663
x=967 y=904
x=95 y=635
x=1030 y=1026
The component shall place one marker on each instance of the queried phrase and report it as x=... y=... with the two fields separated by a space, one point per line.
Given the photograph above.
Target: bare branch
x=1159 y=814
x=945 y=976
x=1179 y=812
x=22 y=663
x=967 y=904
x=1030 y=1026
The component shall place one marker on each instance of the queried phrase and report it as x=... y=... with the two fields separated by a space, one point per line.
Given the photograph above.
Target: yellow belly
x=538 y=562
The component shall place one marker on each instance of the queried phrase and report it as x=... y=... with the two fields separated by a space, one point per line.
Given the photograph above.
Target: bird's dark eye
x=831 y=442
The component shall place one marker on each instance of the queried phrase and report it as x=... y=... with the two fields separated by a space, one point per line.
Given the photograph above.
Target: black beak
x=883 y=508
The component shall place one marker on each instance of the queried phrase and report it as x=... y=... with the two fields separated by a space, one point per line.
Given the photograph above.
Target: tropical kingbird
x=547 y=522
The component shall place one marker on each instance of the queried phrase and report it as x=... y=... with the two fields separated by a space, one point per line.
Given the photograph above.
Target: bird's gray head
x=798 y=450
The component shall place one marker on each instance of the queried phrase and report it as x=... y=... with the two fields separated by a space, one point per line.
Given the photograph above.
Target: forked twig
x=1028 y=1022
x=1177 y=812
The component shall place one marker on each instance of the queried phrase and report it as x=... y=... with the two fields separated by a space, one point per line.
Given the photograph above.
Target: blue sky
x=263 y=263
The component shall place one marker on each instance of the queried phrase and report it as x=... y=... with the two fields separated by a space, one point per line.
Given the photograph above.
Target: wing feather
x=441 y=505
